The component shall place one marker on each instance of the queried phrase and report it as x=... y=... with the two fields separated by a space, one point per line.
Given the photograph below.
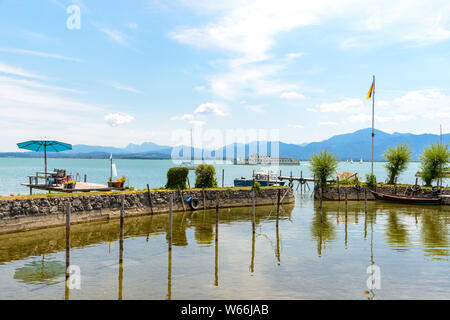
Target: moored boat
x=264 y=178
x=405 y=199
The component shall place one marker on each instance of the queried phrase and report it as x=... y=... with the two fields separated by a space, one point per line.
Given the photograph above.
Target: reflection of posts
x=253 y=210
x=66 y=290
x=122 y=213
x=278 y=244
x=169 y=276
x=252 y=262
x=169 y=264
x=216 y=251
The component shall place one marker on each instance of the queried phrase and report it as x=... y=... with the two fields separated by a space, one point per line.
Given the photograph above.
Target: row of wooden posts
x=345 y=198
x=121 y=234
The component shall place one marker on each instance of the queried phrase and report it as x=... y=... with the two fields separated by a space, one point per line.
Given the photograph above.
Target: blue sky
x=137 y=71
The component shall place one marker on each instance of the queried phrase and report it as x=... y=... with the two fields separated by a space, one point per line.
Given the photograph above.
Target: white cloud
x=291 y=95
x=256 y=108
x=296 y=126
x=125 y=88
x=211 y=108
x=199 y=88
x=348 y=105
x=133 y=25
x=295 y=55
x=328 y=123
x=115 y=35
x=40 y=54
x=184 y=117
x=117 y=119
x=16 y=71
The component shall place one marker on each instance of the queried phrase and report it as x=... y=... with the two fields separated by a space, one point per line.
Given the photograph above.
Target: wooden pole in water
x=204 y=198
x=339 y=188
x=85 y=178
x=365 y=199
x=321 y=216
x=122 y=214
x=68 y=212
x=253 y=211
x=278 y=205
x=149 y=198
x=170 y=220
x=346 y=206
x=216 y=251
x=223 y=178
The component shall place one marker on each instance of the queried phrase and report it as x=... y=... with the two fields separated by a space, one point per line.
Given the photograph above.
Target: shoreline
x=37 y=212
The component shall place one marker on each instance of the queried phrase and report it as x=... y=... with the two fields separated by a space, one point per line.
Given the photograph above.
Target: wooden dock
x=79 y=187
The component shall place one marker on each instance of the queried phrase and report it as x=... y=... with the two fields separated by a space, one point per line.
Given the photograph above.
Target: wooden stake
x=223 y=178
x=170 y=220
x=365 y=200
x=278 y=205
x=204 y=198
x=189 y=184
x=339 y=188
x=182 y=200
x=149 y=199
x=66 y=288
x=253 y=211
x=346 y=206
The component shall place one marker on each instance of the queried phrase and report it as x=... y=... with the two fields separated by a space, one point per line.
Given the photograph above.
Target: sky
x=117 y=72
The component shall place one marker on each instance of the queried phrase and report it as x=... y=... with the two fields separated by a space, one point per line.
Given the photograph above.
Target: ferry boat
x=261 y=176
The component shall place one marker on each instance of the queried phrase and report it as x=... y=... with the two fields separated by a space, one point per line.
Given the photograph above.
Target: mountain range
x=355 y=145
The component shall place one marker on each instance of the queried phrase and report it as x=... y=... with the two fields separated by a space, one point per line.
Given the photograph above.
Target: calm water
x=302 y=259
x=139 y=173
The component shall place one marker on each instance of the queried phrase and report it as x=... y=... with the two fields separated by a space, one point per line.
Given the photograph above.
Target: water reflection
x=398 y=229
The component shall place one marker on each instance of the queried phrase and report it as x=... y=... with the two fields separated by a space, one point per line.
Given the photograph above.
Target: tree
x=176 y=178
x=323 y=165
x=434 y=162
x=205 y=176
x=397 y=161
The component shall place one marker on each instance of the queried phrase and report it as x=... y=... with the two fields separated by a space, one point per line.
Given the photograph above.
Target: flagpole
x=110 y=158
x=373 y=117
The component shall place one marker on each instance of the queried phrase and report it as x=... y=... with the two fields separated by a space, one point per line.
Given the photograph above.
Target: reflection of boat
x=265 y=178
x=405 y=199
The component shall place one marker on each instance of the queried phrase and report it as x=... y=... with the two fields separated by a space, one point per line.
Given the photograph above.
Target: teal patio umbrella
x=44 y=145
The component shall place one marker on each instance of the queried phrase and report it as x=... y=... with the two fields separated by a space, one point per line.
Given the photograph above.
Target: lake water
x=301 y=259
x=139 y=173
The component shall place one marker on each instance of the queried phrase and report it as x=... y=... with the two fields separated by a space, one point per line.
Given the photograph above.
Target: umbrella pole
x=45 y=157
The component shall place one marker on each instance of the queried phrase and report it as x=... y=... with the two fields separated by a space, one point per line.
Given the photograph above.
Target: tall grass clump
x=205 y=176
x=176 y=178
x=434 y=162
x=397 y=161
x=323 y=165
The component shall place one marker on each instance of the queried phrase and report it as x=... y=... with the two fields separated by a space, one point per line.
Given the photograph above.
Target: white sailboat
x=361 y=161
x=189 y=164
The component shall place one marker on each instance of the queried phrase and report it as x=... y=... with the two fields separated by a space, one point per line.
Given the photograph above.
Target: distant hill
x=347 y=146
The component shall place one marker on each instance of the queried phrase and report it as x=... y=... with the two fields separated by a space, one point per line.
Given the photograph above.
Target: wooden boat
x=405 y=199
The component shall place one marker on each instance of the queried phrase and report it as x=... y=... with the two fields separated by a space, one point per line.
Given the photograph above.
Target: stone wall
x=334 y=194
x=33 y=213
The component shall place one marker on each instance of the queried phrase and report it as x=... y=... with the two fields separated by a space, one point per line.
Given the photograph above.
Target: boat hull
x=249 y=183
x=405 y=199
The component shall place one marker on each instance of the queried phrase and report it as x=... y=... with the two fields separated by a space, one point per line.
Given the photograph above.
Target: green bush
x=397 y=161
x=371 y=180
x=323 y=165
x=434 y=162
x=205 y=176
x=176 y=178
